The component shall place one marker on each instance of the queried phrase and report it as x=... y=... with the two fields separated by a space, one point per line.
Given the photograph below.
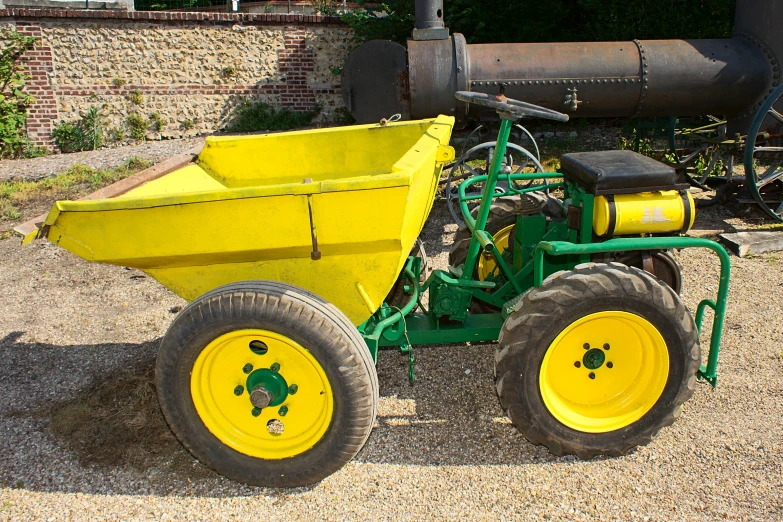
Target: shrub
x=156 y=121
x=14 y=102
x=258 y=116
x=187 y=124
x=137 y=126
x=86 y=134
x=135 y=97
x=554 y=20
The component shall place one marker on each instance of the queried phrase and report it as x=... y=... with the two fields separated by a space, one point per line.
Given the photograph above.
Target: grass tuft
x=20 y=199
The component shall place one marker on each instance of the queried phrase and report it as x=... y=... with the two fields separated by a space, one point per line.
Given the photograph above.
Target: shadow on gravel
x=114 y=425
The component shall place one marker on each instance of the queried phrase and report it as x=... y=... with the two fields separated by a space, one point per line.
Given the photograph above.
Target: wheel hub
x=267 y=388
x=594 y=359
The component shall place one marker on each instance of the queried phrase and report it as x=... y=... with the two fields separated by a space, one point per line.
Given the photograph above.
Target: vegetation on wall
x=260 y=116
x=554 y=20
x=89 y=133
x=14 y=102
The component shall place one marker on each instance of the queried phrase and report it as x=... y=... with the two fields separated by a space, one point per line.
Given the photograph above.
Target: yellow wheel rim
x=604 y=372
x=302 y=403
x=486 y=261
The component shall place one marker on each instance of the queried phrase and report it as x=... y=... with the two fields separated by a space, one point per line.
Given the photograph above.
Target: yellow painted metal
x=218 y=371
x=242 y=211
x=644 y=213
x=486 y=262
x=621 y=392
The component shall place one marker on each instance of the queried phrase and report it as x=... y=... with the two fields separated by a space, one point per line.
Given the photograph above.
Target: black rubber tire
x=665 y=267
x=546 y=311
x=502 y=214
x=302 y=316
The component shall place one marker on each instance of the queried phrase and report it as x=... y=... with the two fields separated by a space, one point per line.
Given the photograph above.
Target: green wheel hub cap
x=273 y=382
x=594 y=359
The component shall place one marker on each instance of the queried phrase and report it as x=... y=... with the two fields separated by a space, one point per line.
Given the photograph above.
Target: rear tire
x=328 y=414
x=631 y=377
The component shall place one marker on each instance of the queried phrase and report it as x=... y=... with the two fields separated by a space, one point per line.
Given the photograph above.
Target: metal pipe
x=728 y=77
x=429 y=21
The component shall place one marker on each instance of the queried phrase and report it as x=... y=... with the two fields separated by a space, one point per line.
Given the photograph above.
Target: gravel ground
x=441 y=448
x=37 y=168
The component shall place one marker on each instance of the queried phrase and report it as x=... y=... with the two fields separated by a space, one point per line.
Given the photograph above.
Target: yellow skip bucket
x=334 y=211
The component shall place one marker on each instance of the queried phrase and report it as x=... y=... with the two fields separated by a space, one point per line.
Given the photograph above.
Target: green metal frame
x=451 y=293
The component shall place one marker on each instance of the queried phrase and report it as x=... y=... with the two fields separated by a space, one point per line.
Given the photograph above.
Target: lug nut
x=606 y=346
x=609 y=364
x=586 y=346
x=293 y=389
x=260 y=398
x=256 y=412
x=239 y=390
x=577 y=364
x=283 y=411
x=592 y=375
x=247 y=368
x=275 y=368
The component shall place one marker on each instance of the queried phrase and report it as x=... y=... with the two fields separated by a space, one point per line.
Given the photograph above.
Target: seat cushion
x=617 y=172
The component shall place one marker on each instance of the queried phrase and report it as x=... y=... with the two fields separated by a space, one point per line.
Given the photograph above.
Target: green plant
x=257 y=116
x=325 y=7
x=86 y=134
x=135 y=97
x=117 y=134
x=555 y=20
x=228 y=71
x=187 y=124
x=118 y=82
x=156 y=121
x=21 y=199
x=14 y=102
x=137 y=125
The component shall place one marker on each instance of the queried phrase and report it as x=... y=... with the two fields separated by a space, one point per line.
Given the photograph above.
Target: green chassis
x=540 y=248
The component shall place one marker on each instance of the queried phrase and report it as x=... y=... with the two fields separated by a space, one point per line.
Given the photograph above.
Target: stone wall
x=192 y=69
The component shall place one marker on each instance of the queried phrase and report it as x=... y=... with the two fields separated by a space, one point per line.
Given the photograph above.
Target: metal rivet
x=247 y=368
x=275 y=367
x=293 y=389
x=586 y=346
x=256 y=412
x=609 y=364
x=606 y=346
x=592 y=375
x=283 y=411
x=577 y=364
x=239 y=390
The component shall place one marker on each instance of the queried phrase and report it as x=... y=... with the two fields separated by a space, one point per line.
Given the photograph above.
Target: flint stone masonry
x=192 y=69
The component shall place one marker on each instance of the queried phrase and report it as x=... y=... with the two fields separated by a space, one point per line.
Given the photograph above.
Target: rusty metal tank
x=730 y=76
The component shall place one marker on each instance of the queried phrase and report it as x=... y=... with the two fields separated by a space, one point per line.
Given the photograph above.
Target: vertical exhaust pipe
x=429 y=21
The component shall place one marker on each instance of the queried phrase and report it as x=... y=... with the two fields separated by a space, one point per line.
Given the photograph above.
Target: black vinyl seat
x=618 y=172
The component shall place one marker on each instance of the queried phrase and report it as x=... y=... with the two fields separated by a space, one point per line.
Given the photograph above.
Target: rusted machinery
x=731 y=77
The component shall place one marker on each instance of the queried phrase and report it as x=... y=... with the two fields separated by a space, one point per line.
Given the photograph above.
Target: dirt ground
x=82 y=437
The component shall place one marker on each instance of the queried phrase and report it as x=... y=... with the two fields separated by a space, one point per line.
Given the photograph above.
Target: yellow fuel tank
x=644 y=213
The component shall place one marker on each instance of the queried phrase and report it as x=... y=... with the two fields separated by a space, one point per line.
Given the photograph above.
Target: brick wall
x=189 y=68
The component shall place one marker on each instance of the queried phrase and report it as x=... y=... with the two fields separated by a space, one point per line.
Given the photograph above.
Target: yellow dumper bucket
x=334 y=211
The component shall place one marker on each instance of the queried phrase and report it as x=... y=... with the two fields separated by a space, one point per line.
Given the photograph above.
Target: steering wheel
x=512 y=109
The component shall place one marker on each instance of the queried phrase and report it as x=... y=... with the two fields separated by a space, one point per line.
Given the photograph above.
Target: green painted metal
x=271 y=381
x=423 y=330
x=708 y=372
x=486 y=199
x=541 y=247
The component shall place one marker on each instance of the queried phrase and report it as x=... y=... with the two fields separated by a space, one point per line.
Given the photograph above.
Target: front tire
x=597 y=360
x=316 y=390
